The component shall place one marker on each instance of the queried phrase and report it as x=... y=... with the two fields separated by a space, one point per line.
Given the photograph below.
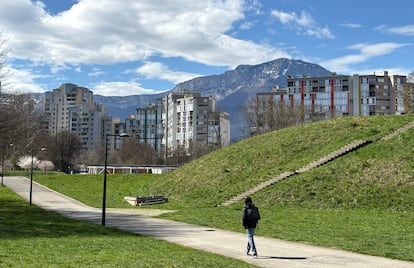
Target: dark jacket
x=249 y=223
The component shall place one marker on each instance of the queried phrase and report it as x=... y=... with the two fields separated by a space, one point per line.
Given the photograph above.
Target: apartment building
x=111 y=131
x=321 y=97
x=189 y=120
x=218 y=129
x=408 y=93
x=404 y=94
x=146 y=125
x=373 y=94
x=340 y=95
x=72 y=108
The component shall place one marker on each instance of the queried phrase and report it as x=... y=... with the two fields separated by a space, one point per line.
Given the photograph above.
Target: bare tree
x=89 y=157
x=19 y=123
x=197 y=150
x=134 y=152
x=4 y=49
x=178 y=156
x=263 y=114
x=250 y=115
x=63 y=149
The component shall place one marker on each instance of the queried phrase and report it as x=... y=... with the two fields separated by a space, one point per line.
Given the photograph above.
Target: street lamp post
x=105 y=171
x=2 y=164
x=3 y=153
x=31 y=175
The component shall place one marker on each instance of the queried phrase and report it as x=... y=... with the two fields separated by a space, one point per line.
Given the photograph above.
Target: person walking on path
x=250 y=218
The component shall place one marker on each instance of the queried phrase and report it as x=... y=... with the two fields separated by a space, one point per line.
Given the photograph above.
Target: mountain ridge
x=265 y=74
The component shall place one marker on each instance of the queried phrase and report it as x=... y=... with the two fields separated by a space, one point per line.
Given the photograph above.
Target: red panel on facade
x=302 y=92
x=349 y=103
x=313 y=102
x=332 y=98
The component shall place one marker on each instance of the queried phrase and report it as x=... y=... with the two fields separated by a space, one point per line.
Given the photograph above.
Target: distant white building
x=72 y=108
x=190 y=120
x=129 y=169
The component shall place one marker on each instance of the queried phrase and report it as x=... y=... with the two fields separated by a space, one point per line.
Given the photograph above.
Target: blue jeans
x=250 y=239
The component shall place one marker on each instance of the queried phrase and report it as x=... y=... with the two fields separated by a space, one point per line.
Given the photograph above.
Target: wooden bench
x=145 y=200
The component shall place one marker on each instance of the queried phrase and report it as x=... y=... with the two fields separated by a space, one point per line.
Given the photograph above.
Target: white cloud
x=129 y=30
x=407 y=30
x=120 y=89
x=157 y=70
x=254 y=6
x=21 y=81
x=56 y=68
x=96 y=72
x=366 y=52
x=247 y=25
x=351 y=25
x=303 y=23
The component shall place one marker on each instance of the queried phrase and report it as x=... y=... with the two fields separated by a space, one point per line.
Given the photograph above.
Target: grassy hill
x=378 y=175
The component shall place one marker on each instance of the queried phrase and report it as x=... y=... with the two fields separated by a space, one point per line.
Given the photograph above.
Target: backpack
x=253 y=213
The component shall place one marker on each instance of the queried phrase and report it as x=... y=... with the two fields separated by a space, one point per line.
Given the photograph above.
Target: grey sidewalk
x=272 y=252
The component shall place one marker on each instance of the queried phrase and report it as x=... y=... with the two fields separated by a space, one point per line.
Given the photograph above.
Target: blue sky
x=129 y=47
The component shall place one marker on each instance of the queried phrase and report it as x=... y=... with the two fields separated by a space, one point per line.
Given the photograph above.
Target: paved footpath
x=272 y=252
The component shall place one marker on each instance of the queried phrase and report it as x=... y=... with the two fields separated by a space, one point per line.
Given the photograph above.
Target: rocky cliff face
x=232 y=89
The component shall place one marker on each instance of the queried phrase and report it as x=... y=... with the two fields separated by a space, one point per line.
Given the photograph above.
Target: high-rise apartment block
x=71 y=108
x=339 y=95
x=190 y=120
x=180 y=121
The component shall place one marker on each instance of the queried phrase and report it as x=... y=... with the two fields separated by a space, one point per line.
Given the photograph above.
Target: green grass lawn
x=372 y=232
x=363 y=201
x=379 y=232
x=32 y=237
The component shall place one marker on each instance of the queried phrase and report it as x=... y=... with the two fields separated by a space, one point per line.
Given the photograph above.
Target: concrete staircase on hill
x=398 y=131
x=346 y=149
x=342 y=151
